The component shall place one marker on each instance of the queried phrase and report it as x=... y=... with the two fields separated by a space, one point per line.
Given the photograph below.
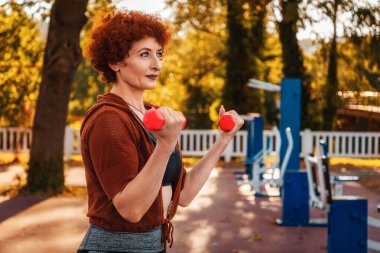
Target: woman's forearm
x=198 y=175
x=136 y=198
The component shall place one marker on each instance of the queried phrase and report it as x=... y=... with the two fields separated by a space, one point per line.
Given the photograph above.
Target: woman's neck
x=132 y=96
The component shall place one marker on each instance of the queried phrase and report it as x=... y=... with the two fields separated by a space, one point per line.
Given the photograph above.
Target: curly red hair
x=112 y=38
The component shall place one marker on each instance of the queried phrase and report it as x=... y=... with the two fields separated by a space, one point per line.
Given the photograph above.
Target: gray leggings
x=96 y=251
x=99 y=240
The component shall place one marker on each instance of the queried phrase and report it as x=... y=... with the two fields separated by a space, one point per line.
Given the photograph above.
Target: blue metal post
x=290 y=116
x=294 y=192
x=255 y=142
x=249 y=157
x=347 y=225
x=258 y=134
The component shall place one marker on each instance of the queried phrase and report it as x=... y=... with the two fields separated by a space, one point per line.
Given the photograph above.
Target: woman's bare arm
x=198 y=175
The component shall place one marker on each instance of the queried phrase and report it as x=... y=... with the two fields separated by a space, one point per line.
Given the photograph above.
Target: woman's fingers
x=222 y=110
x=238 y=120
x=172 y=116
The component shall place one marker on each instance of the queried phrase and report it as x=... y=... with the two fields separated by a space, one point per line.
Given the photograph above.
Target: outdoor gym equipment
x=315 y=170
x=154 y=120
x=294 y=187
x=321 y=185
x=265 y=180
x=347 y=215
x=271 y=176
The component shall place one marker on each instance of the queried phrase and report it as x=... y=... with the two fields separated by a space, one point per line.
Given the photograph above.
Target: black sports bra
x=174 y=167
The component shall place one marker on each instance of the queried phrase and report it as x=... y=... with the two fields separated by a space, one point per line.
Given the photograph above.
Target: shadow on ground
x=16 y=205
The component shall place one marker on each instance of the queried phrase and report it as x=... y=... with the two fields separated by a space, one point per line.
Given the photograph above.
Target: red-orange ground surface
x=223 y=218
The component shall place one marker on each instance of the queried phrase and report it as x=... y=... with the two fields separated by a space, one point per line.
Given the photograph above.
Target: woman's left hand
x=238 y=122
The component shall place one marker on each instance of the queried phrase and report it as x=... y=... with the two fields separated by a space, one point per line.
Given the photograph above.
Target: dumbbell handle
x=154 y=120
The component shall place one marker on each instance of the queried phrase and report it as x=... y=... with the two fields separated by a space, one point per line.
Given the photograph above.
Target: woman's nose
x=156 y=64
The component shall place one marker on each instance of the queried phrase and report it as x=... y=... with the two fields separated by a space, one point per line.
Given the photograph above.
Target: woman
x=135 y=178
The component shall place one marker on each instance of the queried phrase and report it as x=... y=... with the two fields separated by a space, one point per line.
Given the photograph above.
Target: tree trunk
x=292 y=56
x=62 y=57
x=331 y=87
x=256 y=40
x=237 y=73
x=244 y=45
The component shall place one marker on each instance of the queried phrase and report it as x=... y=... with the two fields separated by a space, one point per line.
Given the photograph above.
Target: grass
x=368 y=170
x=73 y=191
x=356 y=162
x=9 y=158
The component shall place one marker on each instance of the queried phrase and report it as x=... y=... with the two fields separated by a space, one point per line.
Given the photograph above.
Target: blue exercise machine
x=267 y=180
x=294 y=190
x=347 y=215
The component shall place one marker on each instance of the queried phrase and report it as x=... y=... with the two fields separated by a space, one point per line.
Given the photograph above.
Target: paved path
x=223 y=218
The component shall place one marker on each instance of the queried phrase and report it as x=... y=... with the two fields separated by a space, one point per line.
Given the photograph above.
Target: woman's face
x=141 y=67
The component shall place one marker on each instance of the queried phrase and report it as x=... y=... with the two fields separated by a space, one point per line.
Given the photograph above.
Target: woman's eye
x=145 y=54
x=160 y=55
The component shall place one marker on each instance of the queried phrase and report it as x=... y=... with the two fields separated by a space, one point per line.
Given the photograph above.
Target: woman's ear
x=114 y=66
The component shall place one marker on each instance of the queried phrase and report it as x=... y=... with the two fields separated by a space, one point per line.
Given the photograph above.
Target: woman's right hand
x=170 y=131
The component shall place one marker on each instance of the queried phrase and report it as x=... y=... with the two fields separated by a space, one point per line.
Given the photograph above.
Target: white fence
x=344 y=144
x=197 y=142
x=14 y=139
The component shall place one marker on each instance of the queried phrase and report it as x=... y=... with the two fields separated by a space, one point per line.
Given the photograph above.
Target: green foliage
x=20 y=66
x=368 y=49
x=332 y=10
x=207 y=16
x=201 y=56
x=194 y=68
x=365 y=36
x=272 y=73
x=87 y=81
x=208 y=57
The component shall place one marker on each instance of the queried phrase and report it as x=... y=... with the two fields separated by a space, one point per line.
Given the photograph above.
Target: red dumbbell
x=227 y=122
x=154 y=120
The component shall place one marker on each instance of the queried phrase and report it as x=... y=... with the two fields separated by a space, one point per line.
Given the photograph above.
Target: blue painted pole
x=290 y=116
x=255 y=142
x=249 y=157
x=258 y=134
x=294 y=192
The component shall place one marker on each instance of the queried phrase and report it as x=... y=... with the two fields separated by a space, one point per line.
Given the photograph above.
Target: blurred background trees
x=21 y=52
x=217 y=46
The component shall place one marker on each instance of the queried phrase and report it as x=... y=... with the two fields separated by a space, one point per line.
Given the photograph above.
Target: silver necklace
x=135 y=108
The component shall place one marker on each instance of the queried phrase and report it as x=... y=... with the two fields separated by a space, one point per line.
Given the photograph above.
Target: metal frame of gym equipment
x=347 y=215
x=272 y=176
x=294 y=189
x=253 y=149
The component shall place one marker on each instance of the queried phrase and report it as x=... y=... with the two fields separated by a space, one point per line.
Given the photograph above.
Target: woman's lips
x=152 y=77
